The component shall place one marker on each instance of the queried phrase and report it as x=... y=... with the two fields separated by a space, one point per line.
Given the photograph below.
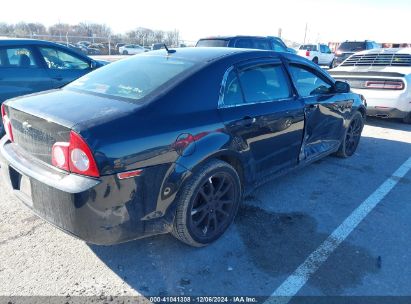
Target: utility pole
x=305 y=33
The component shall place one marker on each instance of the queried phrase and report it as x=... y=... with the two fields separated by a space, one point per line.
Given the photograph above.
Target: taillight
x=6 y=123
x=74 y=156
x=384 y=84
x=307 y=53
x=60 y=155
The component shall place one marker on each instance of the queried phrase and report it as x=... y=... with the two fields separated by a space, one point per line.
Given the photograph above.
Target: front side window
x=132 y=78
x=264 y=83
x=17 y=58
x=307 y=82
x=58 y=60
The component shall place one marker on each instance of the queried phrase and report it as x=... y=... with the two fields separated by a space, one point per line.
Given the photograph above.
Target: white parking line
x=291 y=286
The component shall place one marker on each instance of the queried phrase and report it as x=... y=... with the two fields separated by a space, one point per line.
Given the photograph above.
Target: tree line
x=93 y=32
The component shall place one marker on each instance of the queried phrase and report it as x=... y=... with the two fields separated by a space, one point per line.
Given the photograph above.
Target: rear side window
x=307 y=82
x=17 y=58
x=58 y=60
x=232 y=94
x=256 y=84
x=264 y=83
x=212 y=43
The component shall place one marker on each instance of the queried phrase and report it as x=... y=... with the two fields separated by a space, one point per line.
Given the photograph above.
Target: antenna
x=168 y=50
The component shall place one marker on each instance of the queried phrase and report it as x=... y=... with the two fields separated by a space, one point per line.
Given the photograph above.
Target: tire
x=332 y=64
x=125 y=53
x=315 y=60
x=352 y=136
x=198 y=208
x=407 y=119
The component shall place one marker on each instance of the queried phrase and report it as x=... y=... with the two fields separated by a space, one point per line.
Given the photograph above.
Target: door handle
x=59 y=78
x=247 y=121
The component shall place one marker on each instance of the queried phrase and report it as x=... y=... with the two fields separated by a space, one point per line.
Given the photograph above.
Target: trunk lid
x=40 y=120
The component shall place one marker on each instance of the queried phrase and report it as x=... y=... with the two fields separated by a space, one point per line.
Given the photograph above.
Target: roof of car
x=204 y=54
x=236 y=36
x=20 y=41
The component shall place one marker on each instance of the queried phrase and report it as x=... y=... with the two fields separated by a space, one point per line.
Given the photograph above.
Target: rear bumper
x=99 y=211
x=395 y=104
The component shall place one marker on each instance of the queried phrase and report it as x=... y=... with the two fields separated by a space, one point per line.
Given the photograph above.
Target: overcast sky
x=328 y=20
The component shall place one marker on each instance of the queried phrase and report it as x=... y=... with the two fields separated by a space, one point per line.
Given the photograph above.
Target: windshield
x=212 y=43
x=352 y=46
x=133 y=78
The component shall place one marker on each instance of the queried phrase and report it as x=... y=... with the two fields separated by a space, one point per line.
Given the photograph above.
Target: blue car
x=28 y=66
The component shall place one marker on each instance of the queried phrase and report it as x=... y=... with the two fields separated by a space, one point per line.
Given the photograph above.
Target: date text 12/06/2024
x=205 y=299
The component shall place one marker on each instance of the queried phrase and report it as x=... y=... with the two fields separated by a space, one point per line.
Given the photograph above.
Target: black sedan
x=170 y=141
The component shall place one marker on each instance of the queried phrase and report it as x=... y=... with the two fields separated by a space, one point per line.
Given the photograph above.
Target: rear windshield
x=308 y=47
x=132 y=78
x=212 y=43
x=351 y=46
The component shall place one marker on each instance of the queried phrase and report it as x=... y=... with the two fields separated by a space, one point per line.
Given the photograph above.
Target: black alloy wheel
x=207 y=204
x=352 y=136
x=212 y=206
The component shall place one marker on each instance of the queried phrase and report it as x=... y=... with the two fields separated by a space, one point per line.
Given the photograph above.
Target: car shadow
x=258 y=252
x=388 y=123
x=265 y=245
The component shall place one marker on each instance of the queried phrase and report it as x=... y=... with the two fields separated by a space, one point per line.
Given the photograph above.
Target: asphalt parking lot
x=276 y=230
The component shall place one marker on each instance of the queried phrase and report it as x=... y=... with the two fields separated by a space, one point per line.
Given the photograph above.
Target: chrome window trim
x=222 y=88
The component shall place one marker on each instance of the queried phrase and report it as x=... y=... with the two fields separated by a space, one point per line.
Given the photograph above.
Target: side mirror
x=341 y=87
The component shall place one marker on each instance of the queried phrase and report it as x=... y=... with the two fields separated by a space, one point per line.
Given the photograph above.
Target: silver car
x=383 y=77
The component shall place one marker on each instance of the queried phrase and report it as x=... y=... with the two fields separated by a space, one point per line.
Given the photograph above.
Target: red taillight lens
x=81 y=158
x=384 y=84
x=6 y=123
x=307 y=53
x=74 y=156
